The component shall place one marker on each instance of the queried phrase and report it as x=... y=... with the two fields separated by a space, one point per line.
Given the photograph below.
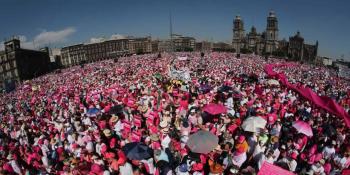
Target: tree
x=139 y=52
x=246 y=51
x=188 y=49
x=279 y=53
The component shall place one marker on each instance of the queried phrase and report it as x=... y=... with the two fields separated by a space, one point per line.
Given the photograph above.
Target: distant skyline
x=57 y=23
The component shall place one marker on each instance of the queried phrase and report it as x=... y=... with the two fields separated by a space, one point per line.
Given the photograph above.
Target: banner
x=270 y=169
x=343 y=71
x=323 y=102
x=182 y=58
x=183 y=75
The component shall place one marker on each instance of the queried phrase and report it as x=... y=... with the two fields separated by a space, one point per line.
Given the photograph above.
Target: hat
x=113 y=119
x=294 y=155
x=163 y=124
x=165 y=130
x=218 y=148
x=283 y=147
x=197 y=167
x=274 y=139
x=154 y=137
x=334 y=142
x=97 y=169
x=166 y=112
x=107 y=132
x=233 y=170
x=143 y=108
x=109 y=155
x=241 y=138
x=9 y=157
x=322 y=161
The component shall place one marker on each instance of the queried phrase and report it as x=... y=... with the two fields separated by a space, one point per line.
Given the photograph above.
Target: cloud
x=117 y=36
x=97 y=40
x=53 y=37
x=24 y=43
x=44 y=38
x=102 y=39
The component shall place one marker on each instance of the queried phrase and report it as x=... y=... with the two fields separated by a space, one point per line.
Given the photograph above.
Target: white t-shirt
x=317 y=169
x=328 y=152
x=126 y=169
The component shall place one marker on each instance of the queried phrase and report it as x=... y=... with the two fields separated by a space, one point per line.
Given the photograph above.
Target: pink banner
x=323 y=102
x=270 y=169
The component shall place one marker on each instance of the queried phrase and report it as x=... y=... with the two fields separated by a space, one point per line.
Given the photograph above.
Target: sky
x=57 y=23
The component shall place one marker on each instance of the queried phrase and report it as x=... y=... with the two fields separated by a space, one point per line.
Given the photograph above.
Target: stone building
x=183 y=43
x=18 y=64
x=299 y=51
x=140 y=45
x=106 y=50
x=90 y=52
x=238 y=40
x=267 y=42
x=73 y=55
x=203 y=46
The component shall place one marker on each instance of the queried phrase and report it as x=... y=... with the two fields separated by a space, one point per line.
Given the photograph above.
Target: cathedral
x=267 y=42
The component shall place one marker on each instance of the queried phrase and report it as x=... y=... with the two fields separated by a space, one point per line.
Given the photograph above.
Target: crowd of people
x=131 y=117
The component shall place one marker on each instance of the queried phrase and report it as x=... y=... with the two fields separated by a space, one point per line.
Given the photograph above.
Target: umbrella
x=253 y=124
x=202 y=142
x=205 y=88
x=303 y=127
x=137 y=151
x=215 y=109
x=118 y=109
x=273 y=82
x=271 y=169
x=92 y=112
x=158 y=76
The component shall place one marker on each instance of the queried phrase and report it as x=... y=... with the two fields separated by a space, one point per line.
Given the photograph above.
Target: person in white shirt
x=259 y=151
x=329 y=151
x=317 y=168
x=269 y=158
x=126 y=169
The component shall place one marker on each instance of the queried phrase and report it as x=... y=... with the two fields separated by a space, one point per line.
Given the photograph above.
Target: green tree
x=139 y=52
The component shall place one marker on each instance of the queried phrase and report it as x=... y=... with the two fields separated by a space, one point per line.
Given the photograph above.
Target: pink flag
x=270 y=169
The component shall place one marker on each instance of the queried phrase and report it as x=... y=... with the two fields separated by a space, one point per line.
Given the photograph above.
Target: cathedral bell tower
x=271 y=33
x=238 y=34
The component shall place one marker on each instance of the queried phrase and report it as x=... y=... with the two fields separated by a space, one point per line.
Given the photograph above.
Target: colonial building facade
x=18 y=64
x=267 y=42
x=77 y=54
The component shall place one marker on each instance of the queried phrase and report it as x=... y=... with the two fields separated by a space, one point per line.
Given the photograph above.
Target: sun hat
x=163 y=124
x=107 y=132
x=113 y=119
